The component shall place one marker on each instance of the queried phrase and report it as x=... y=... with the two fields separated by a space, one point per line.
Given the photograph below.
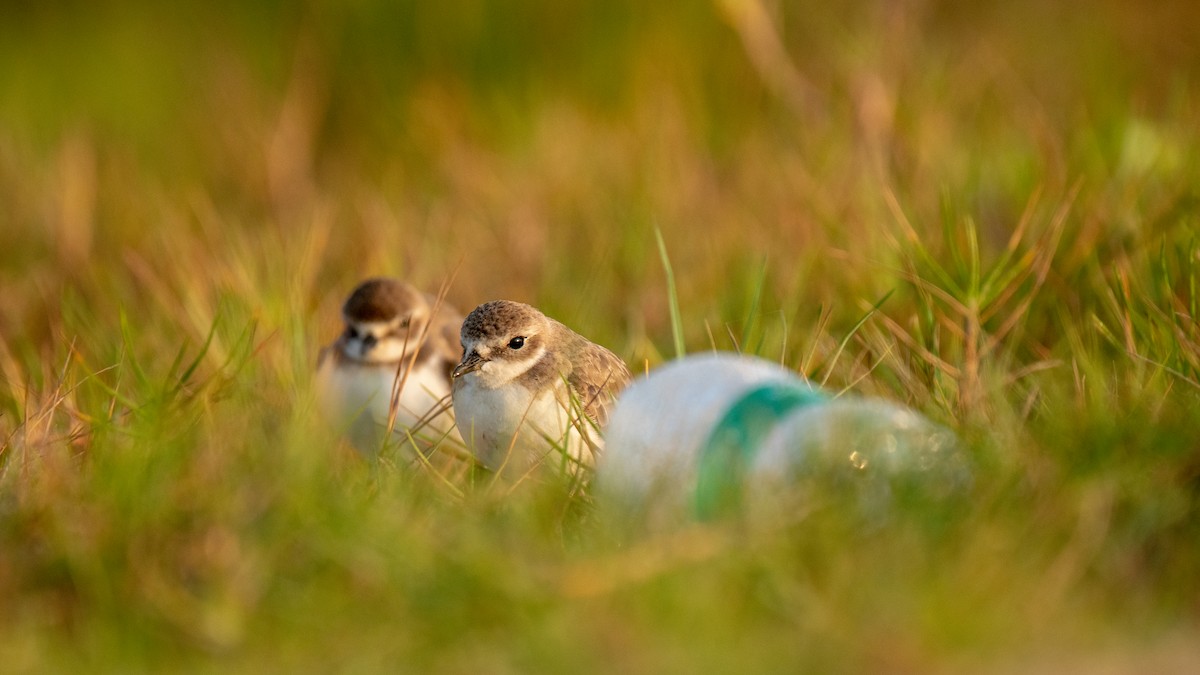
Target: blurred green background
x=188 y=190
x=521 y=137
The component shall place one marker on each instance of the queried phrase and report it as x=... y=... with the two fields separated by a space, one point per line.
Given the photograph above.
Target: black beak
x=470 y=363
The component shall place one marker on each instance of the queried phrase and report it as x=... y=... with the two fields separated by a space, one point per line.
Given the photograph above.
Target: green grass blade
x=752 y=313
x=672 y=296
x=854 y=329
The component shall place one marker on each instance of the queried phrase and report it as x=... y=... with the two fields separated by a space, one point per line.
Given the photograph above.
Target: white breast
x=360 y=398
x=509 y=429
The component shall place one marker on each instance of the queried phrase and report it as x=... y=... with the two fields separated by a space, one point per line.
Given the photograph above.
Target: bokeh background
x=188 y=190
x=532 y=147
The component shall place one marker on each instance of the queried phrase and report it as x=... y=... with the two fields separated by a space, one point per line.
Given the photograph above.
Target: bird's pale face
x=499 y=356
x=380 y=341
x=384 y=320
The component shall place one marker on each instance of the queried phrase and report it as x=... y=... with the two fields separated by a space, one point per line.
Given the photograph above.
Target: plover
x=393 y=358
x=531 y=390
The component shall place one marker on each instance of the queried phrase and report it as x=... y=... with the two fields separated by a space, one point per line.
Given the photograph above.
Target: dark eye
x=352 y=332
x=404 y=323
x=516 y=343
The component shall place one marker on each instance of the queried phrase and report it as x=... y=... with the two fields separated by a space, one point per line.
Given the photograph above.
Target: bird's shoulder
x=441 y=339
x=597 y=376
x=330 y=355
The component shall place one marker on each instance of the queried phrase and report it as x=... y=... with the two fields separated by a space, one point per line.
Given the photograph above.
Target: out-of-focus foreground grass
x=187 y=190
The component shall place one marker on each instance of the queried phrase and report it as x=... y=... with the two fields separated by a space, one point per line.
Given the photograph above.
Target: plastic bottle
x=715 y=433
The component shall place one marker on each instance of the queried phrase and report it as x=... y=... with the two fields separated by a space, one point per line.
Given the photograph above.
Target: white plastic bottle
x=718 y=432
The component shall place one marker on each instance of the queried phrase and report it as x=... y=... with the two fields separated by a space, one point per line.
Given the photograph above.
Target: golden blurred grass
x=187 y=193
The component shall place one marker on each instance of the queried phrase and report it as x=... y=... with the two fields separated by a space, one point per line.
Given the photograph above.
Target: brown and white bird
x=531 y=390
x=371 y=366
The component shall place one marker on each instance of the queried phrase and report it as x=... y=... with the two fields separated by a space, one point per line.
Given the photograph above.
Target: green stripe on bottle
x=721 y=465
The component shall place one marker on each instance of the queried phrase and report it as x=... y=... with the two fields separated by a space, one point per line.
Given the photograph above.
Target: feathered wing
x=598 y=376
